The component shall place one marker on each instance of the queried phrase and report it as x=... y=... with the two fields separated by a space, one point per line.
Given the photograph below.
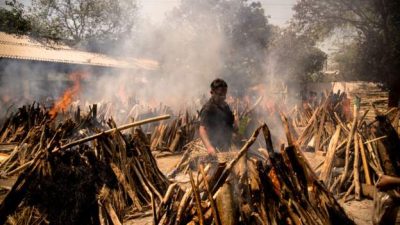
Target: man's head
x=219 y=88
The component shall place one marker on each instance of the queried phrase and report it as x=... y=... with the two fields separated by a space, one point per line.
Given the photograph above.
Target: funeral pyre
x=358 y=148
x=77 y=171
x=255 y=187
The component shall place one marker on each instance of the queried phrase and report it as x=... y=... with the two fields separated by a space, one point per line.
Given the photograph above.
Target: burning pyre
x=114 y=176
x=103 y=181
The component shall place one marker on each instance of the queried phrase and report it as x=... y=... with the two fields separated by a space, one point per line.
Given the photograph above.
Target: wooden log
x=102 y=215
x=111 y=213
x=309 y=126
x=169 y=192
x=19 y=189
x=197 y=199
x=121 y=179
x=361 y=121
x=364 y=161
x=339 y=121
x=332 y=187
x=375 y=139
x=154 y=137
x=300 y=156
x=374 y=158
x=176 y=140
x=147 y=185
x=330 y=156
x=182 y=206
x=154 y=210
x=232 y=163
x=320 y=130
x=124 y=127
x=356 y=169
x=349 y=191
x=368 y=190
x=268 y=141
x=19 y=169
x=160 y=138
x=347 y=155
x=287 y=129
x=226 y=205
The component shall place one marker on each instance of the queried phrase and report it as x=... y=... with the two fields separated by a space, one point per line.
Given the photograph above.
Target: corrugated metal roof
x=26 y=48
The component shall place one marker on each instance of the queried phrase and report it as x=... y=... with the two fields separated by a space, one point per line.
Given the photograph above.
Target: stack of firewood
x=174 y=135
x=18 y=124
x=256 y=187
x=301 y=114
x=320 y=127
x=358 y=153
x=353 y=147
x=76 y=173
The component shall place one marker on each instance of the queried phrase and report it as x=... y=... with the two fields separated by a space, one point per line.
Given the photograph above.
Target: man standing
x=216 y=119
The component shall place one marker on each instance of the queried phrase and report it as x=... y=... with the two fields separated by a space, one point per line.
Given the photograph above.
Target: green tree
x=12 y=18
x=83 y=21
x=250 y=35
x=376 y=26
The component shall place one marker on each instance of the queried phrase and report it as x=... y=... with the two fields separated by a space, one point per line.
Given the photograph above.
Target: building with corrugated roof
x=38 y=67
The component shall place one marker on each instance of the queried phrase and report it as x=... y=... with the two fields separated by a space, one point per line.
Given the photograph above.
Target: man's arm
x=206 y=140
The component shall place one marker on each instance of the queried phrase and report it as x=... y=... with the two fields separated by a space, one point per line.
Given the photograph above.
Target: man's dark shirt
x=218 y=120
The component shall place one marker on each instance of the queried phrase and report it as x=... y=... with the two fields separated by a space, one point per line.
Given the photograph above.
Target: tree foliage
x=12 y=19
x=250 y=36
x=83 y=20
x=91 y=24
x=376 y=26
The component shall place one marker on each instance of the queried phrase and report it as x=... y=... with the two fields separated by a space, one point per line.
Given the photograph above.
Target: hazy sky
x=280 y=11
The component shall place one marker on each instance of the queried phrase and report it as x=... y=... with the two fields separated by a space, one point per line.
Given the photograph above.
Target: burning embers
x=66 y=99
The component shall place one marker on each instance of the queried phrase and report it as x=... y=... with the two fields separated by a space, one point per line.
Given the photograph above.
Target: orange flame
x=275 y=181
x=66 y=99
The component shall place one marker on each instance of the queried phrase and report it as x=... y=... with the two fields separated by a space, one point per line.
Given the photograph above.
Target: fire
x=275 y=181
x=66 y=99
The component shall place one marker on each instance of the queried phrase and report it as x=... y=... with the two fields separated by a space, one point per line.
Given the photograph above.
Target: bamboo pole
x=364 y=162
x=197 y=199
x=349 y=141
x=330 y=156
x=210 y=197
x=242 y=152
x=124 y=127
x=375 y=139
x=356 y=167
